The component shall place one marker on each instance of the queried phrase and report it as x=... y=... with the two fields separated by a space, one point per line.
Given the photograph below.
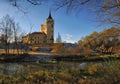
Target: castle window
x=52 y=38
x=52 y=25
x=35 y=42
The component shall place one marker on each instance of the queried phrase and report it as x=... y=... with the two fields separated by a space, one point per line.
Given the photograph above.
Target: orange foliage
x=58 y=47
x=72 y=50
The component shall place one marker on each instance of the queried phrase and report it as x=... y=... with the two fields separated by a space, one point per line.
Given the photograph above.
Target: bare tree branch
x=16 y=4
x=35 y=2
x=109 y=10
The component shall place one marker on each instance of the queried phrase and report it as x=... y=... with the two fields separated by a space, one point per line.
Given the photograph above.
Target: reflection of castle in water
x=46 y=35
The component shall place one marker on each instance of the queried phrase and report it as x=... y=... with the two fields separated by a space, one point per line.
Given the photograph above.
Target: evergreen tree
x=58 y=39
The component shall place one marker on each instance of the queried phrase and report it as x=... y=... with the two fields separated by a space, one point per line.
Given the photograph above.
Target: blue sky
x=72 y=27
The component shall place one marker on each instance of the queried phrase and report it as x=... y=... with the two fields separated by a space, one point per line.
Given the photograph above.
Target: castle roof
x=41 y=33
x=38 y=33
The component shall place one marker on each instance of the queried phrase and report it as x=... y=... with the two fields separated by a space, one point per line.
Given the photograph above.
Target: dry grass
x=11 y=51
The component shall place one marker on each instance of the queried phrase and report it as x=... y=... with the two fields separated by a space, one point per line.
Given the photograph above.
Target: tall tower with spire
x=50 y=29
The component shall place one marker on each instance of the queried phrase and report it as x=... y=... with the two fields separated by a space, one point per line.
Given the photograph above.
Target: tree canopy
x=106 y=39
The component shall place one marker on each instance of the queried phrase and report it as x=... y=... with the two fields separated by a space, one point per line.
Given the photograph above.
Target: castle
x=46 y=34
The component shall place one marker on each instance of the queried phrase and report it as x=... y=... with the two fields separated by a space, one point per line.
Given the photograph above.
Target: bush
x=58 y=47
x=93 y=69
x=72 y=50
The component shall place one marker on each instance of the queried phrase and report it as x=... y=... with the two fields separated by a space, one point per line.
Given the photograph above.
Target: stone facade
x=35 y=38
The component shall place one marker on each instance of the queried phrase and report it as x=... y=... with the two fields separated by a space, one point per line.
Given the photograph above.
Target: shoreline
x=47 y=57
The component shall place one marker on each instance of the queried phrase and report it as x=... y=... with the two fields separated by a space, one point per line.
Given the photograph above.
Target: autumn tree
x=58 y=47
x=103 y=41
x=80 y=42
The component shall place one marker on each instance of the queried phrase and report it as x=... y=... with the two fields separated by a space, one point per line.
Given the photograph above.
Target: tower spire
x=49 y=17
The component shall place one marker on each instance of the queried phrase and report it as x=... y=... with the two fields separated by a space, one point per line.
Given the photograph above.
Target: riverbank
x=84 y=58
x=49 y=57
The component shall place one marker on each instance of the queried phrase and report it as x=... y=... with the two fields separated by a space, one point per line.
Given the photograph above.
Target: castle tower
x=50 y=29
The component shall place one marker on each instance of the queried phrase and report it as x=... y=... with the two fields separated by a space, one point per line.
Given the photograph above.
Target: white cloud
x=69 y=41
x=68 y=38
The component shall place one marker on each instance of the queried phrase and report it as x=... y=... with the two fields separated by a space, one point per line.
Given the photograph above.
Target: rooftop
x=38 y=33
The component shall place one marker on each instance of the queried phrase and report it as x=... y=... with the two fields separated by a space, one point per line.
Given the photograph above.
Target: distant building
x=46 y=34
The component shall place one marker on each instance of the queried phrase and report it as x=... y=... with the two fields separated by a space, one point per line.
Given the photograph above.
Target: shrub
x=35 y=48
x=72 y=50
x=93 y=69
x=64 y=76
x=86 y=51
x=58 y=47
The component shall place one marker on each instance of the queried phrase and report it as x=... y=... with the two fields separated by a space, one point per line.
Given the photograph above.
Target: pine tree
x=58 y=39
